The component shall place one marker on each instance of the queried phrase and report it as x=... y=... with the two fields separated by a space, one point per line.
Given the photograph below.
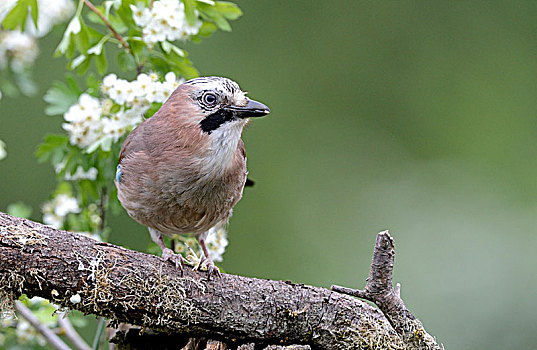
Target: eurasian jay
x=182 y=170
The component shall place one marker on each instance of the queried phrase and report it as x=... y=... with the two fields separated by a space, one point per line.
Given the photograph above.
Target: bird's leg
x=167 y=253
x=211 y=267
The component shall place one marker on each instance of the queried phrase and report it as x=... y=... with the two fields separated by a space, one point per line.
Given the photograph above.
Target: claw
x=208 y=262
x=177 y=259
x=212 y=269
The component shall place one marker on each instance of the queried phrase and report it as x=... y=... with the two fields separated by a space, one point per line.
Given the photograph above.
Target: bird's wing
x=242 y=149
x=129 y=146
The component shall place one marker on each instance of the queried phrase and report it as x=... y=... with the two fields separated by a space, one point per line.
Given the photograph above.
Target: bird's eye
x=210 y=99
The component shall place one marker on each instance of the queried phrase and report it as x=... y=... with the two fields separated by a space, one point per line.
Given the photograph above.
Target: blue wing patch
x=119 y=173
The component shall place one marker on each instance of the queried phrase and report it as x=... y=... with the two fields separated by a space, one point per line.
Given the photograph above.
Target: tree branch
x=379 y=289
x=98 y=278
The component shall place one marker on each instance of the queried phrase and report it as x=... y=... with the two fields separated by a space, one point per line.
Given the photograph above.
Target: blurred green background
x=418 y=117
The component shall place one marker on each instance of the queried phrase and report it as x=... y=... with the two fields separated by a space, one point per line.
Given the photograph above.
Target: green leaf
x=71 y=161
x=167 y=47
x=159 y=64
x=100 y=63
x=88 y=190
x=125 y=13
x=66 y=45
x=73 y=86
x=35 y=13
x=180 y=65
x=20 y=210
x=118 y=24
x=105 y=143
x=190 y=11
x=186 y=69
x=207 y=29
x=126 y=61
x=93 y=85
x=14 y=17
x=63 y=188
x=221 y=23
x=77 y=319
x=82 y=38
x=115 y=108
x=70 y=53
x=228 y=9
x=213 y=15
x=60 y=97
x=92 y=17
x=83 y=67
x=53 y=148
x=95 y=36
x=18 y=14
x=137 y=46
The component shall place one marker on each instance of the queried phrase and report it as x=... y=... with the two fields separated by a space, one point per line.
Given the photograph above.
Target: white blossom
x=53 y=220
x=84 y=121
x=3 y=152
x=90 y=122
x=108 y=83
x=75 y=299
x=118 y=92
x=26 y=333
x=115 y=127
x=81 y=174
x=65 y=204
x=55 y=210
x=38 y=301
x=165 y=20
x=51 y=12
x=18 y=49
x=216 y=242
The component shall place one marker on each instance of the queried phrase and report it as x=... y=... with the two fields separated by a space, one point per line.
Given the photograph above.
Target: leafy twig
x=107 y=23
x=46 y=332
x=71 y=333
x=99 y=334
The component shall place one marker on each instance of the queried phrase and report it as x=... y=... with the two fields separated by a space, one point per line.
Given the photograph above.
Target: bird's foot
x=208 y=264
x=177 y=259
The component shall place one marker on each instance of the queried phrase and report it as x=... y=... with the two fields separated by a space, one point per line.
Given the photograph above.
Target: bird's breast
x=184 y=195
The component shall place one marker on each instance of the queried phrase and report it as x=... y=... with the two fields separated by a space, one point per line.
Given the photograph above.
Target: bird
x=182 y=170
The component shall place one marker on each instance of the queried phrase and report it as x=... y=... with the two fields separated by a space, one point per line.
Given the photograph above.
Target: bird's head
x=210 y=113
x=218 y=104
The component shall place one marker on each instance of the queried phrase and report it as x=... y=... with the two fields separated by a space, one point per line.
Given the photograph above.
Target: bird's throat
x=224 y=141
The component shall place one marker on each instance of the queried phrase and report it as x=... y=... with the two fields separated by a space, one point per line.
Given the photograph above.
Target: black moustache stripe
x=213 y=121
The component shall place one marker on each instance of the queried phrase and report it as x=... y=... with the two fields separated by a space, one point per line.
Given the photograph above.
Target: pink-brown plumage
x=179 y=175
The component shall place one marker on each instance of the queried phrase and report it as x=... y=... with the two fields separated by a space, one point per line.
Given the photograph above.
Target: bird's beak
x=251 y=110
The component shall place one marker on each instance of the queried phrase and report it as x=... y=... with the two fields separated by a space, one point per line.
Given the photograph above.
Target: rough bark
x=379 y=289
x=77 y=272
